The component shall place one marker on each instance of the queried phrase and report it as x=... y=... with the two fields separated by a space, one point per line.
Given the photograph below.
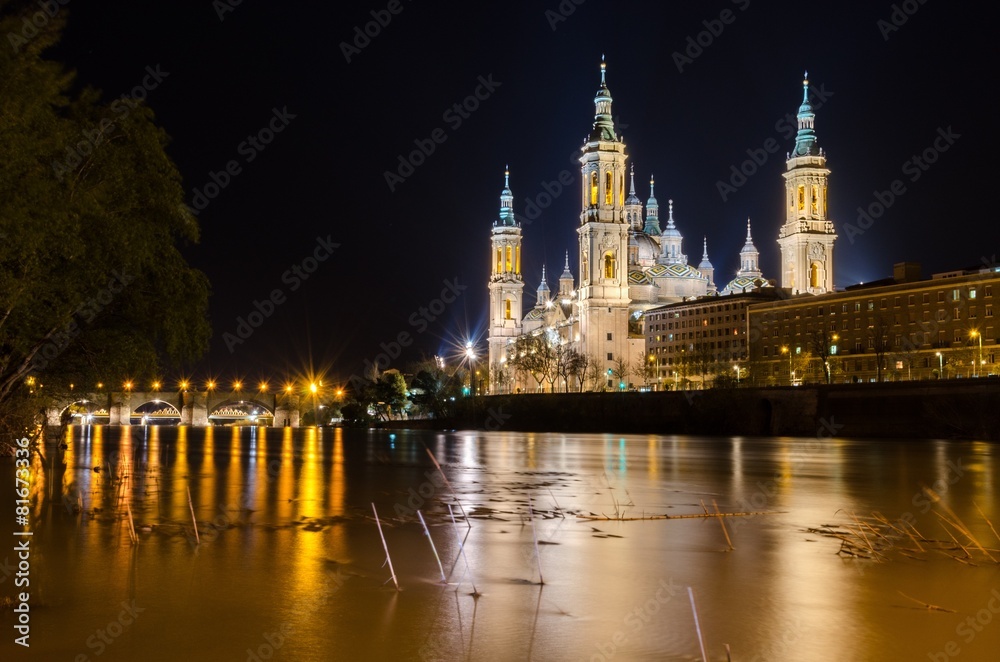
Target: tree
x=93 y=286
x=620 y=371
x=878 y=340
x=822 y=343
x=644 y=368
x=532 y=354
x=390 y=395
x=432 y=389
x=579 y=367
x=569 y=363
x=595 y=374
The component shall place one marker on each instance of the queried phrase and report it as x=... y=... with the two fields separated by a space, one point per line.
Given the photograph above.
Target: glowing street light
x=262 y=387
x=975 y=334
x=156 y=386
x=786 y=350
x=237 y=386
x=184 y=384
x=737 y=369
x=210 y=385
x=128 y=385
x=940 y=365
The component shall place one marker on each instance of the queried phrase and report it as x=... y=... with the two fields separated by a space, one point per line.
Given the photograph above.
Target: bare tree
x=620 y=370
x=644 y=368
x=533 y=354
x=879 y=342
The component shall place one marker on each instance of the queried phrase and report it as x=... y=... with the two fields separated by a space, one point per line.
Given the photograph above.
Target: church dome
x=647 y=248
x=742 y=284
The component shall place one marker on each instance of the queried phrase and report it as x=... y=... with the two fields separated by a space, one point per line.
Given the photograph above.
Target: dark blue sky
x=887 y=94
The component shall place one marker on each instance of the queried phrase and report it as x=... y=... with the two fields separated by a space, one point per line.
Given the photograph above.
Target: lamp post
x=470 y=353
x=737 y=369
x=791 y=375
x=975 y=334
x=940 y=365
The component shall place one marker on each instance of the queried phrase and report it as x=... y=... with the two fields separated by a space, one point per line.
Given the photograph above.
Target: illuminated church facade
x=628 y=263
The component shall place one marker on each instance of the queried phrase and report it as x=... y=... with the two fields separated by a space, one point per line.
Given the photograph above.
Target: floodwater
x=290 y=564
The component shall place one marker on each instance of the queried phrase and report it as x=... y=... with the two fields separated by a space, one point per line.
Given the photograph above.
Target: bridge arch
x=155 y=412
x=243 y=411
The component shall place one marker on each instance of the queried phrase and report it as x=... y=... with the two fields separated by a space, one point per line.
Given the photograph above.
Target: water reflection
x=288 y=546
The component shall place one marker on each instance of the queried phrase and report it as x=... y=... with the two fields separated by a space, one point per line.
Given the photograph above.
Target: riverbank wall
x=959 y=409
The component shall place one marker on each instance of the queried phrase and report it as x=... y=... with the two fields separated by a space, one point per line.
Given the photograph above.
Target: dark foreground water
x=290 y=562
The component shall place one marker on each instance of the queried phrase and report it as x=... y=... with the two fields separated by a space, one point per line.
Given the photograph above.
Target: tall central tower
x=806 y=239
x=603 y=234
x=506 y=285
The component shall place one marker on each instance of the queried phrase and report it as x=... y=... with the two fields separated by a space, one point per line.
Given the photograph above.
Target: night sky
x=883 y=94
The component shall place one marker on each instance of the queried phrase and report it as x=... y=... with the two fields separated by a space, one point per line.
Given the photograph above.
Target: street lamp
x=470 y=353
x=975 y=334
x=791 y=375
x=737 y=369
x=940 y=365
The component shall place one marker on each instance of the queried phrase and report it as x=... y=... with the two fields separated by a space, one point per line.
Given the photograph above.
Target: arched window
x=509 y=265
x=802 y=198
x=825 y=212
x=499 y=260
x=517 y=260
x=593 y=189
x=609 y=265
x=621 y=190
x=506 y=309
x=815 y=199
x=814 y=277
x=608 y=190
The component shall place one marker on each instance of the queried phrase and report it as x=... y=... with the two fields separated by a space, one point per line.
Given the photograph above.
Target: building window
x=608 y=188
x=510 y=260
x=593 y=189
x=611 y=356
x=972 y=293
x=941 y=297
x=609 y=265
x=517 y=260
x=989 y=311
x=815 y=200
x=927 y=297
x=802 y=198
x=506 y=309
x=609 y=336
x=988 y=291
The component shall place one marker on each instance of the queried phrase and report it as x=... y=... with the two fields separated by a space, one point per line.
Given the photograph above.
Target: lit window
x=593 y=189
x=609 y=265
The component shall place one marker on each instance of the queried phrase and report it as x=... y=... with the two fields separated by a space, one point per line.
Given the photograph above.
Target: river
x=289 y=562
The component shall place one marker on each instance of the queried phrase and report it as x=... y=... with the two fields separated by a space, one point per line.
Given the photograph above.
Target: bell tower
x=603 y=232
x=806 y=239
x=506 y=285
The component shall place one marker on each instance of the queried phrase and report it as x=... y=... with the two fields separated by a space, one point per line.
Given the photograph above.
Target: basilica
x=629 y=263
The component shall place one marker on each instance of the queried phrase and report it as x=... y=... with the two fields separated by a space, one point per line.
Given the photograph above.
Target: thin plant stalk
x=697 y=626
x=385 y=547
x=723 y=523
x=131 y=525
x=534 y=537
x=433 y=548
x=461 y=549
x=193 y=520
x=446 y=482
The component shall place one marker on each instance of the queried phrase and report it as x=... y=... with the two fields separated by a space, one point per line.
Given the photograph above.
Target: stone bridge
x=192 y=407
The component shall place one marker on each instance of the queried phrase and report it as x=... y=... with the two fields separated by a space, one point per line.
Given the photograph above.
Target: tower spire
x=507 y=201
x=604 y=125
x=805 y=140
x=749 y=258
x=652 y=211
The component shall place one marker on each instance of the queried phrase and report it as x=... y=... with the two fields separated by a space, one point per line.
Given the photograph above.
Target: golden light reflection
x=653 y=457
